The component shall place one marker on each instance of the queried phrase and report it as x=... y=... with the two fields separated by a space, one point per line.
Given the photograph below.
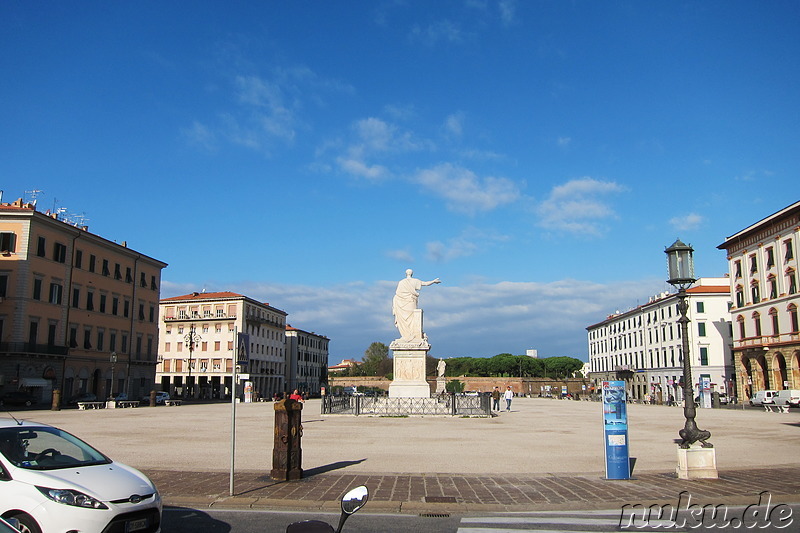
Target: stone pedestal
x=697 y=462
x=287 y=452
x=441 y=385
x=409 y=370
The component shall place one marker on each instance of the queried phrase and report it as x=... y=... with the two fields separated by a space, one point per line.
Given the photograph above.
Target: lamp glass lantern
x=680 y=265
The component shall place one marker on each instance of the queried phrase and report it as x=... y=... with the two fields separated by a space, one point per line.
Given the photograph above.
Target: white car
x=52 y=481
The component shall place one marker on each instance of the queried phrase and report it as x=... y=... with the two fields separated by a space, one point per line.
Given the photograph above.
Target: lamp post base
x=697 y=462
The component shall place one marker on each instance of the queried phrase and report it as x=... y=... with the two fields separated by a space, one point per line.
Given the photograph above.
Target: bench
x=776 y=408
x=170 y=403
x=90 y=405
x=128 y=403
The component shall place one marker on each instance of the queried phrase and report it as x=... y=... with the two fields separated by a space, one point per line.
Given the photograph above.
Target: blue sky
x=536 y=156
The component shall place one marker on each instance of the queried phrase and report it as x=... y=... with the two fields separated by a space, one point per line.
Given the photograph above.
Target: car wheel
x=27 y=524
x=27 y=403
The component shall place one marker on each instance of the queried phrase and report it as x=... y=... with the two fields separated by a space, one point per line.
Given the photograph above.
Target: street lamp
x=680 y=266
x=113 y=363
x=191 y=338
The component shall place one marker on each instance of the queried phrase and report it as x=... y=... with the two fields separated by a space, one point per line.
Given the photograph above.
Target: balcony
x=768 y=340
x=198 y=318
x=27 y=347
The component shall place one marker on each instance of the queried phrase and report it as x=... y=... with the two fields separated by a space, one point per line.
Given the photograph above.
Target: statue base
x=697 y=462
x=441 y=385
x=409 y=369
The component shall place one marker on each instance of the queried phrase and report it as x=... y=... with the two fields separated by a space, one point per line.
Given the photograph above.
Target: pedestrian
x=296 y=396
x=496 y=399
x=509 y=395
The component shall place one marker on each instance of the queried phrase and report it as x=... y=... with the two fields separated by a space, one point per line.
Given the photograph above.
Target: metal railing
x=442 y=405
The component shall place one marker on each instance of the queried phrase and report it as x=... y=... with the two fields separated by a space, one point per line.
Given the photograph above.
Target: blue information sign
x=615 y=430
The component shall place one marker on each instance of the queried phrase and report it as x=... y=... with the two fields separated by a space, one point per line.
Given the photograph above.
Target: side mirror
x=354 y=500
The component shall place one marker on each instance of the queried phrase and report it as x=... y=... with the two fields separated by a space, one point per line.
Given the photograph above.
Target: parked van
x=787 y=397
x=763 y=397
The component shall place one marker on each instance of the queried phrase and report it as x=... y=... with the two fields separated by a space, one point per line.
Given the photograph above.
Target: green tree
x=562 y=367
x=375 y=358
x=454 y=386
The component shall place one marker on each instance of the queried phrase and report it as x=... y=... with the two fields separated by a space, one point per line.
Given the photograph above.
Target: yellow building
x=198 y=344
x=77 y=312
x=762 y=260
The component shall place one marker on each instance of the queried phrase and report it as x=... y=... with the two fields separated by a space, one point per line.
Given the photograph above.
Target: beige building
x=762 y=259
x=307 y=354
x=198 y=343
x=70 y=302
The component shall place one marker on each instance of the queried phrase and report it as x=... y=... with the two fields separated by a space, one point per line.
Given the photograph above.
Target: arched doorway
x=747 y=378
x=779 y=377
x=764 y=382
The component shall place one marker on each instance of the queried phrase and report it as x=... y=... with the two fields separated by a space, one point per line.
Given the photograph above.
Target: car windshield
x=46 y=448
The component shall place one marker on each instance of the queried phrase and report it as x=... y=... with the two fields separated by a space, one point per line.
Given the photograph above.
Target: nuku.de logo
x=686 y=515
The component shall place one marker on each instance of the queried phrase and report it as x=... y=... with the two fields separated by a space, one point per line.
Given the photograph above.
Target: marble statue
x=440 y=367
x=404 y=304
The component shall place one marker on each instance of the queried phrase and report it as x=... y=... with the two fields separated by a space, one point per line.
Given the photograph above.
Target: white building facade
x=307 y=354
x=643 y=346
x=762 y=260
x=198 y=346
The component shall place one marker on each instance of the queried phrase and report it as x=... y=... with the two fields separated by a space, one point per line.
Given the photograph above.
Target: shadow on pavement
x=330 y=467
x=183 y=520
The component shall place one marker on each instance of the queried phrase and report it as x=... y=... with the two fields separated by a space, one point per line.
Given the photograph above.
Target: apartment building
x=77 y=311
x=644 y=347
x=762 y=259
x=307 y=354
x=203 y=335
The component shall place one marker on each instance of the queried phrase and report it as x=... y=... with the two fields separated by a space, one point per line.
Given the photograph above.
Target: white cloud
x=466 y=192
x=444 y=30
x=478 y=319
x=471 y=241
x=578 y=206
x=404 y=256
x=375 y=138
x=454 y=125
x=563 y=142
x=201 y=135
x=508 y=12
x=687 y=222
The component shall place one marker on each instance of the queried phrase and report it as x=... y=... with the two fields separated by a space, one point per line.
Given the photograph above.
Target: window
x=114 y=305
x=773 y=314
x=739 y=297
x=92 y=261
x=102 y=303
x=87 y=339
x=78 y=259
x=8 y=242
x=143 y=280
x=753 y=264
x=754 y=292
x=141 y=311
x=40 y=247
x=37 y=289
x=737 y=269
x=124 y=343
x=773 y=287
x=76 y=297
x=106 y=272
x=740 y=320
x=757 y=323
x=153 y=284
x=770 y=258
x=89 y=301
x=787 y=244
x=152 y=313
x=56 y=292
x=128 y=277
x=793 y=317
x=73 y=336
x=112 y=341
x=100 y=339
x=33 y=334
x=791 y=281
x=700 y=307
x=126 y=308
x=117 y=271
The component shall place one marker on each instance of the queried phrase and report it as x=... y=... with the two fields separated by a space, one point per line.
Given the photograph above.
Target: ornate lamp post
x=113 y=360
x=680 y=265
x=191 y=338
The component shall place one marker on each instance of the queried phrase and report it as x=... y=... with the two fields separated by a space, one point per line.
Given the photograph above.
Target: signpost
x=615 y=430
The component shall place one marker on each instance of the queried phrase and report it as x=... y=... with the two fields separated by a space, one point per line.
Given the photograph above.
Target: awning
x=34 y=382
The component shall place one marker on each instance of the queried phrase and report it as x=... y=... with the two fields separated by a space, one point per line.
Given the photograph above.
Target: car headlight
x=72 y=497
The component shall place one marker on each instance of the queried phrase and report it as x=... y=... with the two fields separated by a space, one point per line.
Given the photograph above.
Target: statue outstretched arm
x=426 y=283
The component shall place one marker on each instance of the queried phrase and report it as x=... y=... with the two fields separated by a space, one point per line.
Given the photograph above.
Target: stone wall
x=526 y=386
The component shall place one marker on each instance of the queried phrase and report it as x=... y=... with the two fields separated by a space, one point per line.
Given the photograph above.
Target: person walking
x=496 y=399
x=508 y=395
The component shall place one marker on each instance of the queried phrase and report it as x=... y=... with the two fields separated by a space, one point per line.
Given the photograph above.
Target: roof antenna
x=19 y=422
